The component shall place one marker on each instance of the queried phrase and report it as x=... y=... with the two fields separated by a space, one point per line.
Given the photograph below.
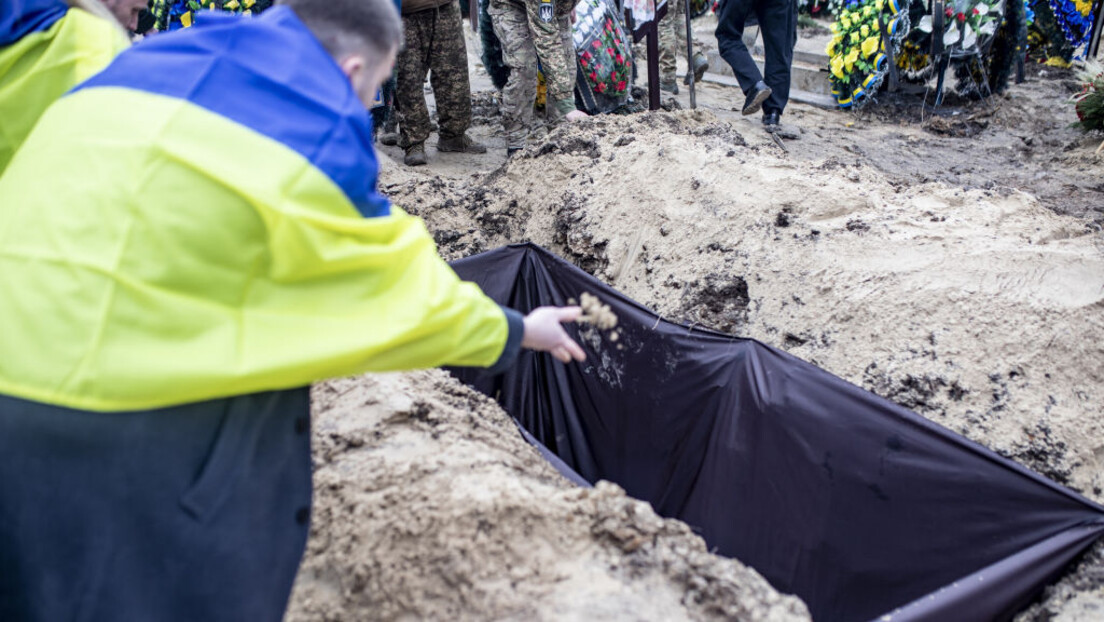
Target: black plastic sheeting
x=856 y=505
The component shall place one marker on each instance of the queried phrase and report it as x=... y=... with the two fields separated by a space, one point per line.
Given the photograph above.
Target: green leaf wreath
x=1089 y=102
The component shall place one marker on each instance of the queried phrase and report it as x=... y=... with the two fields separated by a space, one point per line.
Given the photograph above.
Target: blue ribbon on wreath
x=1071 y=21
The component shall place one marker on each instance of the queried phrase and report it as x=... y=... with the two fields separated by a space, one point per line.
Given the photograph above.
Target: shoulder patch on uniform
x=545 y=12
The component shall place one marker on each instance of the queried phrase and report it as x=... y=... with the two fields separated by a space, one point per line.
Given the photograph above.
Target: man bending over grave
x=217 y=245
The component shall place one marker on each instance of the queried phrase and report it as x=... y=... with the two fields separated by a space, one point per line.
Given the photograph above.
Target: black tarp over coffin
x=852 y=503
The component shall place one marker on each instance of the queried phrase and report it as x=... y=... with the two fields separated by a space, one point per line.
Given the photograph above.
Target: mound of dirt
x=952 y=265
x=429 y=505
x=977 y=307
x=973 y=307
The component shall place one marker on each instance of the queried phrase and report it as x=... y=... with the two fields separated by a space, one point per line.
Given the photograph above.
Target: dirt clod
x=596 y=312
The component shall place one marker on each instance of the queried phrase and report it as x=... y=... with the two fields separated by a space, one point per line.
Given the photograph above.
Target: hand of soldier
x=572 y=16
x=576 y=115
x=544 y=333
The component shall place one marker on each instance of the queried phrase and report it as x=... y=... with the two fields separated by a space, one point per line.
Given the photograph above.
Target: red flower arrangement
x=610 y=69
x=604 y=55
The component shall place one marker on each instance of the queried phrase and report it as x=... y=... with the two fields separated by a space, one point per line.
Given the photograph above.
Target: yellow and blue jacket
x=45 y=50
x=200 y=220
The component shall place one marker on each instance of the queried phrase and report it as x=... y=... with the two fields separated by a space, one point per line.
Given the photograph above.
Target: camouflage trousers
x=672 y=43
x=529 y=31
x=434 y=44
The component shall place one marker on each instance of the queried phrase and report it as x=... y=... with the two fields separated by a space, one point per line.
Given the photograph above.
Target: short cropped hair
x=347 y=26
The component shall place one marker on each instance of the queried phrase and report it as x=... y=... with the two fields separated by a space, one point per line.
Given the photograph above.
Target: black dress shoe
x=756 y=97
x=771 y=118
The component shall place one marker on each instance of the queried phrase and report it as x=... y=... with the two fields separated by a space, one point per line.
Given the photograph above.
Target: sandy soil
x=430 y=506
x=952 y=263
x=971 y=306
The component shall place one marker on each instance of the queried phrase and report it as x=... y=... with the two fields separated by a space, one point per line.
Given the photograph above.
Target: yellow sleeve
x=187 y=257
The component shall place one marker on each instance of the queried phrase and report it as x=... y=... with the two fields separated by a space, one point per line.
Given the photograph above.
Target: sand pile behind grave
x=979 y=309
x=976 y=308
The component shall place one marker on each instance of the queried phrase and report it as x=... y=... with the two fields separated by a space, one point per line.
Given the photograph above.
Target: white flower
x=925 y=24
x=969 y=39
x=950 y=36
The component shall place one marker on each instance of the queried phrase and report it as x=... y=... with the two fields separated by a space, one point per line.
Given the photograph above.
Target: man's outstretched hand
x=544 y=333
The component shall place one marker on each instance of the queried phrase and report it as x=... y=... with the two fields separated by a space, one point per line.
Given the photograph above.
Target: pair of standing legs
x=778 y=24
x=434 y=44
x=532 y=31
x=672 y=44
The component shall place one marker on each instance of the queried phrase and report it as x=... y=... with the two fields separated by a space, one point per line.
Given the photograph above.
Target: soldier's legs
x=640 y=60
x=448 y=63
x=511 y=25
x=556 y=109
x=548 y=39
x=414 y=124
x=670 y=27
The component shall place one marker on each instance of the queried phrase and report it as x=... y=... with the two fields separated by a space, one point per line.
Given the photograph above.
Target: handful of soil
x=597 y=314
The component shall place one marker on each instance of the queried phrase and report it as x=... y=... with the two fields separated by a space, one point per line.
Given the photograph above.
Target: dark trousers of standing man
x=778 y=23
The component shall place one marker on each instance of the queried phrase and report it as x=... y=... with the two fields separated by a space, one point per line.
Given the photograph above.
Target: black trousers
x=778 y=23
x=194 y=512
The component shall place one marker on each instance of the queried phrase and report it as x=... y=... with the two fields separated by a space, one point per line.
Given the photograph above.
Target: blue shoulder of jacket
x=270 y=74
x=20 y=17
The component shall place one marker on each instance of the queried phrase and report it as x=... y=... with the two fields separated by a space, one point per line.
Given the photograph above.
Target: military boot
x=415 y=155
x=389 y=134
x=700 y=66
x=460 y=144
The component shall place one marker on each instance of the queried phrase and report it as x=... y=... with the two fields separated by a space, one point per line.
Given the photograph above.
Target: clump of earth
x=596 y=312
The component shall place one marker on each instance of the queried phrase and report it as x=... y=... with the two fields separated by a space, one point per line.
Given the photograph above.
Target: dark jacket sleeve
x=515 y=322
